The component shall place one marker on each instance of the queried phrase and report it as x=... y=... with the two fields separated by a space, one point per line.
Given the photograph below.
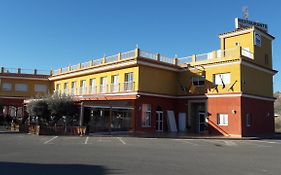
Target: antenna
x=245 y=12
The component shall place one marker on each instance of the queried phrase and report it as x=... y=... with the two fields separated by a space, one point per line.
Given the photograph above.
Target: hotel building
x=228 y=91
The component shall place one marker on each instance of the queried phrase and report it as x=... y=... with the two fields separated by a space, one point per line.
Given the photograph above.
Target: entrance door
x=202 y=122
x=159 y=121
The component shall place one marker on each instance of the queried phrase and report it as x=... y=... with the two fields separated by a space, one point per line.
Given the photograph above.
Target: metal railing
x=24 y=71
x=75 y=67
x=91 y=90
x=97 y=61
x=219 y=54
x=86 y=64
x=201 y=57
x=66 y=91
x=129 y=86
x=112 y=58
x=103 y=88
x=83 y=91
x=73 y=91
x=128 y=54
x=167 y=59
x=115 y=87
x=185 y=60
x=148 y=55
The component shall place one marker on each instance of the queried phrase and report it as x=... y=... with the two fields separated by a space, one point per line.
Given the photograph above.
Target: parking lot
x=98 y=155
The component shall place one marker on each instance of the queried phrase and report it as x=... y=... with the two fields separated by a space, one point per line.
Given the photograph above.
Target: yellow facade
x=97 y=76
x=239 y=66
x=256 y=82
x=30 y=85
x=158 y=80
x=153 y=75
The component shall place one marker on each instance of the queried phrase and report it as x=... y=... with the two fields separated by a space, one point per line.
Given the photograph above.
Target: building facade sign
x=243 y=23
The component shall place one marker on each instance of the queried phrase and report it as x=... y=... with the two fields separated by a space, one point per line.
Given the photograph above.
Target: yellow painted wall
x=155 y=80
x=233 y=69
x=98 y=76
x=244 y=40
x=256 y=82
x=209 y=87
x=266 y=48
x=247 y=41
x=30 y=93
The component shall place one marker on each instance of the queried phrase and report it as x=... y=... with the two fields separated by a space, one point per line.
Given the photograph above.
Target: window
x=146 y=115
x=83 y=88
x=115 y=83
x=248 y=120
x=266 y=61
x=57 y=88
x=7 y=86
x=222 y=119
x=21 y=87
x=222 y=79
x=40 y=88
x=73 y=88
x=129 y=81
x=92 y=86
x=65 y=88
x=103 y=86
x=198 y=81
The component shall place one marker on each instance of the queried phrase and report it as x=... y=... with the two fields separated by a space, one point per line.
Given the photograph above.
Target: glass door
x=159 y=121
x=202 y=122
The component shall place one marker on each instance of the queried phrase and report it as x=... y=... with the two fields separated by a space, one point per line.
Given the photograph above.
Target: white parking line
x=122 y=141
x=50 y=140
x=86 y=141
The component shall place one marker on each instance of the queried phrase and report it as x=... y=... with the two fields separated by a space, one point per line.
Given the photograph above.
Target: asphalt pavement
x=23 y=154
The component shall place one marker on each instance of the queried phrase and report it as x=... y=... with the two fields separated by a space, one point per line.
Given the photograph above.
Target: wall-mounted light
x=268 y=114
x=233 y=111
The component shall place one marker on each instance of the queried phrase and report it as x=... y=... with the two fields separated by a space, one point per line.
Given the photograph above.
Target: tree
x=61 y=106
x=50 y=109
x=39 y=108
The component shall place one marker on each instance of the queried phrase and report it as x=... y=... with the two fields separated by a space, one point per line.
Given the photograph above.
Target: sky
x=49 y=34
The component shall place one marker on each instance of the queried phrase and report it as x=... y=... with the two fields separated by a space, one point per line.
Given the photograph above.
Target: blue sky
x=47 y=34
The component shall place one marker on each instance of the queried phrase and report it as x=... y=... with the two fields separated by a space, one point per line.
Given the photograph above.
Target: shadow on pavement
x=11 y=168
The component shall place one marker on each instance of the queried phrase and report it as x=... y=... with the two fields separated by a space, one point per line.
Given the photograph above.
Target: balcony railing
x=92 y=90
x=129 y=86
x=103 y=88
x=73 y=91
x=115 y=87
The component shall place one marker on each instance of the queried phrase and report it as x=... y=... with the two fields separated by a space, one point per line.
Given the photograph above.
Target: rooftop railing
x=148 y=55
x=95 y=62
x=24 y=71
x=218 y=54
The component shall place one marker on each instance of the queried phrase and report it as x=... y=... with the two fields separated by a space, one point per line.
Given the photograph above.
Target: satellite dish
x=245 y=12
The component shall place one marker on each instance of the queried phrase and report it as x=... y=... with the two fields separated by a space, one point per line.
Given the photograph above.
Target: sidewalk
x=181 y=136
